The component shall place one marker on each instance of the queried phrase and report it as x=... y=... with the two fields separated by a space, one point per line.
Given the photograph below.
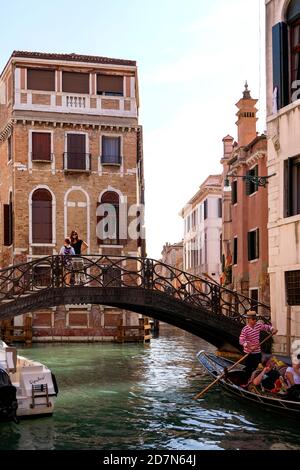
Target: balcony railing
x=75 y=101
x=111 y=159
x=77 y=161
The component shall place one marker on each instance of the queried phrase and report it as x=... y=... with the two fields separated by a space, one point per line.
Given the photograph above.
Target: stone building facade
x=202 y=217
x=245 y=207
x=70 y=141
x=283 y=129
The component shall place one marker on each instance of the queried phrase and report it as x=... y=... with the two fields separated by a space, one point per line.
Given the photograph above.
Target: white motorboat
x=27 y=387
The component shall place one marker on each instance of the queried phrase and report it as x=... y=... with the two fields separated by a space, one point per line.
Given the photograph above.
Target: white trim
x=132 y=87
x=88 y=205
x=42 y=186
x=17 y=86
x=123 y=199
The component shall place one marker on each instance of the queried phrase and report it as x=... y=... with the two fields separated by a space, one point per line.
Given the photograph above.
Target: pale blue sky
x=193 y=58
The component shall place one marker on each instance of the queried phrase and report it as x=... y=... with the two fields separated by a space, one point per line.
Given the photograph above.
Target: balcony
x=76 y=162
x=59 y=102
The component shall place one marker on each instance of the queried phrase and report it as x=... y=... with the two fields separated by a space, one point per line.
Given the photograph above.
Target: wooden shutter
x=247 y=184
x=7 y=224
x=41 y=146
x=109 y=85
x=40 y=79
x=288 y=187
x=110 y=197
x=75 y=82
x=76 y=152
x=249 y=246
x=41 y=216
x=281 y=63
x=205 y=209
x=256 y=243
x=235 y=250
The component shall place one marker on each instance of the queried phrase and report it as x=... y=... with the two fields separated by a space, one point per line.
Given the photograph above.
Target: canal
x=134 y=396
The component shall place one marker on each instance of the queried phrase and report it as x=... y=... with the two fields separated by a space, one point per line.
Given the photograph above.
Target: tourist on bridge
x=78 y=244
x=78 y=265
x=67 y=251
x=250 y=340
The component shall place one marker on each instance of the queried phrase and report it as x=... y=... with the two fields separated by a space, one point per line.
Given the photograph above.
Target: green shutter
x=281 y=63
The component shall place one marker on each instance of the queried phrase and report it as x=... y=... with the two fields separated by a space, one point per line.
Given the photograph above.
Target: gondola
x=232 y=384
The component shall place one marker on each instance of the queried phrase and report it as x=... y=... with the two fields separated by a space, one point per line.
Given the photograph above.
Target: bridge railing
x=129 y=272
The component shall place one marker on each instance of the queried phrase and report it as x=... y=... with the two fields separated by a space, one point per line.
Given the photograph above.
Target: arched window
x=108 y=215
x=41 y=216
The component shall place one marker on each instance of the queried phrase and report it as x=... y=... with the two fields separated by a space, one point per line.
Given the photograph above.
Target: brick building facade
x=70 y=141
x=245 y=208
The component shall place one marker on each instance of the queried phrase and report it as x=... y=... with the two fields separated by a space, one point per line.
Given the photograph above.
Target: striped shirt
x=249 y=337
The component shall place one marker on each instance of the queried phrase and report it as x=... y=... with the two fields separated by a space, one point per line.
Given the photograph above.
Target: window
x=8 y=222
x=41 y=146
x=219 y=207
x=253 y=245
x=235 y=250
x=75 y=82
x=292 y=283
x=295 y=51
x=41 y=216
x=76 y=157
x=205 y=205
x=254 y=299
x=111 y=276
x=292 y=186
x=9 y=149
x=41 y=275
x=250 y=186
x=286 y=57
x=108 y=222
x=111 y=150
x=38 y=79
x=111 y=85
x=234 y=192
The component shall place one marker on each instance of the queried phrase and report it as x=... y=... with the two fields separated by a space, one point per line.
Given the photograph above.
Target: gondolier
x=250 y=339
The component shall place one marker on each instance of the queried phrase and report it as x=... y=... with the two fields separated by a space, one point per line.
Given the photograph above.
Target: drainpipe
x=288 y=329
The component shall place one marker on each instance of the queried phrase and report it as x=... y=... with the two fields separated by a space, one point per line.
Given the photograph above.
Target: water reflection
x=140 y=397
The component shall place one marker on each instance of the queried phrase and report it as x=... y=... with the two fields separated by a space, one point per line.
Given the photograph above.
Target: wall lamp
x=257 y=180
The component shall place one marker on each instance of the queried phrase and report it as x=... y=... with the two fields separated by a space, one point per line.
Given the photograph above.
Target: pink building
x=245 y=215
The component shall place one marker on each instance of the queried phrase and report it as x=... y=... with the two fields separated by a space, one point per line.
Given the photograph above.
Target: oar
x=200 y=394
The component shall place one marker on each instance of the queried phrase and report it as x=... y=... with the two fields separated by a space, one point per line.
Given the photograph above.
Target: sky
x=193 y=59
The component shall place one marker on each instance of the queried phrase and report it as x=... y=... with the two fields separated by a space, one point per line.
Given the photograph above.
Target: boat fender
x=54 y=383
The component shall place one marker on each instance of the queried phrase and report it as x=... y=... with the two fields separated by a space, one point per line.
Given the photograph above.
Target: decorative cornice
x=6 y=131
x=80 y=126
x=255 y=157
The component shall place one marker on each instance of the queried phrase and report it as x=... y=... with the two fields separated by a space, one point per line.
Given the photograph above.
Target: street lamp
x=257 y=180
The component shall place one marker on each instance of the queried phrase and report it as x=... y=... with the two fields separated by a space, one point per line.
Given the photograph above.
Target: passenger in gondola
x=292 y=376
x=250 y=340
x=268 y=378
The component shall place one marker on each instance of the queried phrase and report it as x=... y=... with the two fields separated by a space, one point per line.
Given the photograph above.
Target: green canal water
x=141 y=397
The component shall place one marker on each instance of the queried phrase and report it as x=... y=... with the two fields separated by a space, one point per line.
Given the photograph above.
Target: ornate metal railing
x=127 y=272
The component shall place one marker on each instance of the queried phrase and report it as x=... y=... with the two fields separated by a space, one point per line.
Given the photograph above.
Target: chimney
x=227 y=146
x=246 y=118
